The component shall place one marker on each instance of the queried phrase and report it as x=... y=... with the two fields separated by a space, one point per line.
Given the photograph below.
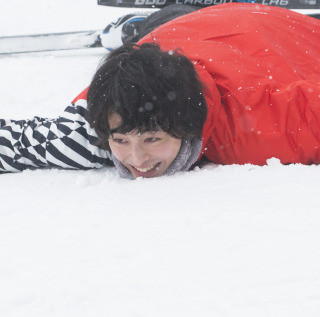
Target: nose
x=139 y=155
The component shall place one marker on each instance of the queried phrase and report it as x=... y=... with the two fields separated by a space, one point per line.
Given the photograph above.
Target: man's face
x=147 y=154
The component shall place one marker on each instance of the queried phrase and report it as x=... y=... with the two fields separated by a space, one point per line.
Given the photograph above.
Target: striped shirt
x=67 y=141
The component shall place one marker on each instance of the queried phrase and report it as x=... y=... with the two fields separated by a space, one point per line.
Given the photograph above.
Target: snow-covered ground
x=222 y=241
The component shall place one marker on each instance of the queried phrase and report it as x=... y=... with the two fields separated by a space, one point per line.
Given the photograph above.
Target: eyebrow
x=114 y=131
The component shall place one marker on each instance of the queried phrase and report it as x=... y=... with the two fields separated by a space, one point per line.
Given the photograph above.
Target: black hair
x=151 y=90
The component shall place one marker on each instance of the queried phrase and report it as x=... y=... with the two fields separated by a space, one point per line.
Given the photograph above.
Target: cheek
x=118 y=152
x=168 y=151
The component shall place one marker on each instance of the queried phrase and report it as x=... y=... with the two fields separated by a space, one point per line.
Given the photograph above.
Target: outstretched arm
x=67 y=141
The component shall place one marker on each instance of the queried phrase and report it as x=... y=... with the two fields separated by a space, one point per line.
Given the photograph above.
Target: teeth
x=147 y=169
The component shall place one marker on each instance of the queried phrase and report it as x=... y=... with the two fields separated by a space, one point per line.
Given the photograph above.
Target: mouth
x=146 y=171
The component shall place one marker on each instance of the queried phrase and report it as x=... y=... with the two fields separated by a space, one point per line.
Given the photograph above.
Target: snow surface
x=221 y=241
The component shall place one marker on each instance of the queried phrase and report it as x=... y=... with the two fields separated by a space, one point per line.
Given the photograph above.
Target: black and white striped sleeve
x=67 y=141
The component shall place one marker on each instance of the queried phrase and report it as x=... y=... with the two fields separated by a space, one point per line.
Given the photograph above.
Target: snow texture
x=220 y=241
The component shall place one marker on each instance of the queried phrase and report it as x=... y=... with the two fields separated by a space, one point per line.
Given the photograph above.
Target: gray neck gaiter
x=187 y=155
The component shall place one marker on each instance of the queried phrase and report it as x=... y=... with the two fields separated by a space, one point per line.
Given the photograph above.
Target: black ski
x=288 y=4
x=49 y=42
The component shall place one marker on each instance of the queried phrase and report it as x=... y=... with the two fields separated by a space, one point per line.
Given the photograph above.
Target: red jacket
x=261 y=68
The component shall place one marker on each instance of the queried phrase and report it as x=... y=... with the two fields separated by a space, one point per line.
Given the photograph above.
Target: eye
x=119 y=141
x=151 y=140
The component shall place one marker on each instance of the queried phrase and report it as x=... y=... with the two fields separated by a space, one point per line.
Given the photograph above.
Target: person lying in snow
x=233 y=83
